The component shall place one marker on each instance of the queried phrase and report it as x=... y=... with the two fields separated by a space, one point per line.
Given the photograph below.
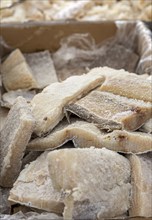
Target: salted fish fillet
x=42 y=68
x=48 y=105
x=15 y=135
x=85 y=135
x=141 y=180
x=92 y=182
x=34 y=187
x=80 y=132
x=10 y=97
x=16 y=73
x=127 y=84
x=111 y=112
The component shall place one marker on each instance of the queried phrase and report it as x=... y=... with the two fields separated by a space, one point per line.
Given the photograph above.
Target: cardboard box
x=38 y=36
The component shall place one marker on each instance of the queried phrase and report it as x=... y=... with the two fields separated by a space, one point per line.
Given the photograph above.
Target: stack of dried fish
x=100 y=125
x=38 y=10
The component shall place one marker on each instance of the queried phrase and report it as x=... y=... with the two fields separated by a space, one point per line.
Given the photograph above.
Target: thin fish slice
x=15 y=135
x=48 y=105
x=42 y=68
x=84 y=134
x=80 y=132
x=128 y=85
x=111 y=112
x=34 y=187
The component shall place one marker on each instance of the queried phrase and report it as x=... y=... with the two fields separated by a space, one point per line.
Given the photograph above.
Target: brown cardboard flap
x=35 y=36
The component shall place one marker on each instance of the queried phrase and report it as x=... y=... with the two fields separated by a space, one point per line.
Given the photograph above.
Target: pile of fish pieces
x=91 y=118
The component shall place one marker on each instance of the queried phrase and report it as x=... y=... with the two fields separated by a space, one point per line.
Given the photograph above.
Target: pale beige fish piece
x=93 y=182
x=16 y=74
x=142 y=185
x=147 y=127
x=128 y=85
x=10 y=97
x=111 y=112
x=15 y=135
x=34 y=188
x=49 y=104
x=42 y=68
x=84 y=135
x=128 y=142
x=3 y=116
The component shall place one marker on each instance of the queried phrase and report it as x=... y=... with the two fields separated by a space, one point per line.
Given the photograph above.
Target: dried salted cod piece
x=48 y=105
x=127 y=84
x=16 y=74
x=80 y=132
x=128 y=142
x=93 y=182
x=10 y=97
x=111 y=111
x=34 y=187
x=84 y=134
x=15 y=135
x=142 y=185
x=147 y=127
x=3 y=116
x=42 y=68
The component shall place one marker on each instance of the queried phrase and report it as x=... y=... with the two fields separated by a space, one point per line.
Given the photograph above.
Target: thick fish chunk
x=48 y=105
x=15 y=135
x=111 y=112
x=142 y=185
x=34 y=187
x=84 y=134
x=127 y=84
x=42 y=68
x=16 y=74
x=93 y=182
x=10 y=97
